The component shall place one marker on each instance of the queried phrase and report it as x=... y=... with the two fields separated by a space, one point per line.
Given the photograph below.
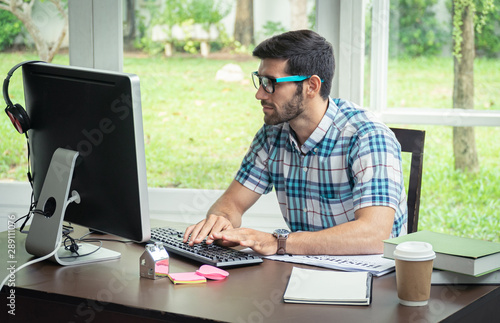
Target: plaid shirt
x=350 y=161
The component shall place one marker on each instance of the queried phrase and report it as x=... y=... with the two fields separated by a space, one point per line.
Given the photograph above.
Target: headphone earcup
x=19 y=117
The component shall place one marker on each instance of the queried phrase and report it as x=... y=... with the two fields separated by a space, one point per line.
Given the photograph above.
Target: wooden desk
x=113 y=292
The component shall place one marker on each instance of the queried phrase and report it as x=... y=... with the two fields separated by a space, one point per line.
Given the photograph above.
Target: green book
x=458 y=254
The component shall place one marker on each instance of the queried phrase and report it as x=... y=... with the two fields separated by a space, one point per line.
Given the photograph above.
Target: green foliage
x=414 y=29
x=174 y=12
x=10 y=27
x=145 y=25
x=227 y=43
x=480 y=10
x=203 y=12
x=183 y=13
x=272 y=28
x=207 y=12
x=488 y=40
x=191 y=47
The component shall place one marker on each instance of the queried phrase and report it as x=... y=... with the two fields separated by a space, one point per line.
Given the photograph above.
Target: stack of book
x=460 y=255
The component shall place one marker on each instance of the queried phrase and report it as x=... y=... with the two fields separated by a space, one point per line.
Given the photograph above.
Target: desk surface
x=250 y=294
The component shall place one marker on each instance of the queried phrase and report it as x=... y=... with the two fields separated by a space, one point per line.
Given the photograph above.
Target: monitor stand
x=46 y=229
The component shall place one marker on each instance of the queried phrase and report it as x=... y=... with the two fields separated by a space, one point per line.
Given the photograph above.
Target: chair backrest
x=412 y=141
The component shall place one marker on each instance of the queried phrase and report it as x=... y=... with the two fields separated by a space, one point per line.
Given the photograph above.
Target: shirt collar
x=319 y=133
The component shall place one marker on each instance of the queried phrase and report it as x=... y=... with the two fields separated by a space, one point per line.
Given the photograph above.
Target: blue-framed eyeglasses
x=269 y=82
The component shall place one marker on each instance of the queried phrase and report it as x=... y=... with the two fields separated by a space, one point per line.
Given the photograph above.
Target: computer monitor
x=86 y=137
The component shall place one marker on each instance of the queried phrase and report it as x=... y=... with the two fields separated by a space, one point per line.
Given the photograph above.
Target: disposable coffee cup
x=413 y=272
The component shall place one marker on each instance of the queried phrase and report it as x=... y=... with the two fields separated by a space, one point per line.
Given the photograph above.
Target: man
x=336 y=170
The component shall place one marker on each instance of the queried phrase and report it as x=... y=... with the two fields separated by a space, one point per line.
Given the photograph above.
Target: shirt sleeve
x=253 y=173
x=377 y=171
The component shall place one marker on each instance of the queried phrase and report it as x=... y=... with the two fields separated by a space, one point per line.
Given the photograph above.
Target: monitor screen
x=97 y=114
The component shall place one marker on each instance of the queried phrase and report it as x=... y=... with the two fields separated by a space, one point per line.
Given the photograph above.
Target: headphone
x=70 y=244
x=16 y=113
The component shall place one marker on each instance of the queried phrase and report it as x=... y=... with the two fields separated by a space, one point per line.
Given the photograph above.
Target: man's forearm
x=344 y=239
x=234 y=203
x=361 y=236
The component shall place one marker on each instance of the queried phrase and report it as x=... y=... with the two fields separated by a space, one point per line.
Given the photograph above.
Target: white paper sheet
x=375 y=264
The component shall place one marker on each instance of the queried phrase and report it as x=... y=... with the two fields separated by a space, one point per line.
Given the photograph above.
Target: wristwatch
x=281 y=235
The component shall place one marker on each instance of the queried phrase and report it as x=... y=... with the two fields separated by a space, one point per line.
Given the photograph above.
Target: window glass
x=420 y=74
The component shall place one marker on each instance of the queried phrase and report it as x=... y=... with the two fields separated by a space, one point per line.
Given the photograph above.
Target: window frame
x=342 y=23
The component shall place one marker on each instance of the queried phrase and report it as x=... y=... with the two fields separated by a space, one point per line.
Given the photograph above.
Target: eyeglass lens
x=266 y=83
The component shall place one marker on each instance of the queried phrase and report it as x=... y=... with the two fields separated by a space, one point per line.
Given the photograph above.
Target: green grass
x=197 y=130
x=455 y=202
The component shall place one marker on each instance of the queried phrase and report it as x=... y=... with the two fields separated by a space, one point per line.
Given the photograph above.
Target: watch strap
x=281 y=245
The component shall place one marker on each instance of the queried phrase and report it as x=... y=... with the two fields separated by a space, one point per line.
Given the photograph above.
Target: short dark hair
x=306 y=52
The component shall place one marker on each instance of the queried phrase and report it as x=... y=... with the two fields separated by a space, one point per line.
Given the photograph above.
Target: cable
x=28 y=215
x=30 y=180
x=34 y=261
x=83 y=255
x=74 y=198
x=72 y=245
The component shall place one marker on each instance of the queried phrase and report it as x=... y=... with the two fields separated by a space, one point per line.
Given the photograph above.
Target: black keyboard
x=209 y=254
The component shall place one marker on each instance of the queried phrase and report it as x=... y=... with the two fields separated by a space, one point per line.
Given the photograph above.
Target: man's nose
x=261 y=93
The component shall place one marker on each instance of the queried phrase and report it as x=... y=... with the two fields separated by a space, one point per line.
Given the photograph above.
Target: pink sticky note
x=161 y=268
x=186 y=278
x=212 y=272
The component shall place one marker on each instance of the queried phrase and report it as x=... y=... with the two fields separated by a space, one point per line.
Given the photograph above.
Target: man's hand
x=225 y=214
x=206 y=229
x=261 y=242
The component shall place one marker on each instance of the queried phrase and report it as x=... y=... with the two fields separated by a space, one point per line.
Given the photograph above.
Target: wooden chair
x=412 y=141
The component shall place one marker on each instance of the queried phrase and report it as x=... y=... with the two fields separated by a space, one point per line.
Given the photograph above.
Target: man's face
x=285 y=104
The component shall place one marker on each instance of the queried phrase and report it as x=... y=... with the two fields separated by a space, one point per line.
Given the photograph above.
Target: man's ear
x=313 y=86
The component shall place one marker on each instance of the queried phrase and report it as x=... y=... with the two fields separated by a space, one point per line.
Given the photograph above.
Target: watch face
x=281 y=232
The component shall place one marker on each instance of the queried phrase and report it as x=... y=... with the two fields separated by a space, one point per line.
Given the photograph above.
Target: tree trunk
x=23 y=11
x=243 y=25
x=130 y=24
x=464 y=144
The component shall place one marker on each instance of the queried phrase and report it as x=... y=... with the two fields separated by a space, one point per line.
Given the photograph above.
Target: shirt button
x=304 y=169
x=305 y=210
x=315 y=150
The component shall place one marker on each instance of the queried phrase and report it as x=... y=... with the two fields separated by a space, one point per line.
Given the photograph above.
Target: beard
x=289 y=111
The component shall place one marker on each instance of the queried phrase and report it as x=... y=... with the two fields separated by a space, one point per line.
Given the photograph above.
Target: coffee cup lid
x=414 y=251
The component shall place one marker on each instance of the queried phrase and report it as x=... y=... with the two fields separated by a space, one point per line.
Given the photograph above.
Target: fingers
x=241 y=236
x=205 y=229
x=231 y=238
x=261 y=242
x=189 y=231
x=218 y=228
